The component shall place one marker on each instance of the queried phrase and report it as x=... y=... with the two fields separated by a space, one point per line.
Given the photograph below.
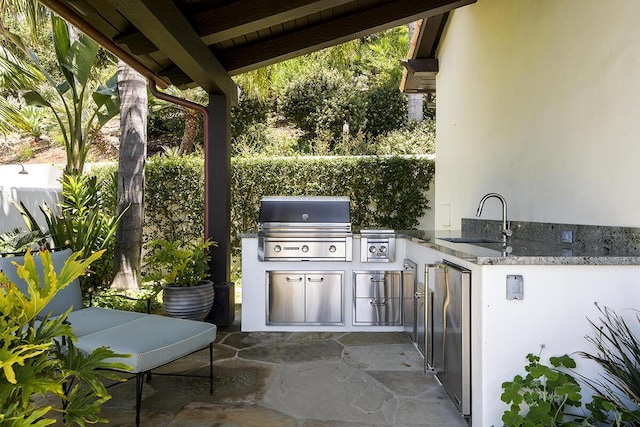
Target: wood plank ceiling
x=203 y=43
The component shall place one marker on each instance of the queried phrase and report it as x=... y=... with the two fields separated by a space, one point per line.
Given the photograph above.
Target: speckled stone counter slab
x=538 y=244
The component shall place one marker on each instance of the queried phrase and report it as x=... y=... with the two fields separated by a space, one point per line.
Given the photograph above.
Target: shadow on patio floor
x=292 y=380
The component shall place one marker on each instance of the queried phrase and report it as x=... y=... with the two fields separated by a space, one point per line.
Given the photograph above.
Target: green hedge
x=385 y=192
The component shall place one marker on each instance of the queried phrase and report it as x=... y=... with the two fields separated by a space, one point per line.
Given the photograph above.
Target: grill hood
x=303 y=210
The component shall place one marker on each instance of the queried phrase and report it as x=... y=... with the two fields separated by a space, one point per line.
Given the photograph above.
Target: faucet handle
x=507 y=232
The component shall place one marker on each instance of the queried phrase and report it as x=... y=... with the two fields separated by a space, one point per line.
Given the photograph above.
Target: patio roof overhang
x=189 y=43
x=421 y=67
x=203 y=43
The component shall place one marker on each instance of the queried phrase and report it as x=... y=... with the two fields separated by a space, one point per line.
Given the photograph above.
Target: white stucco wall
x=538 y=100
x=38 y=186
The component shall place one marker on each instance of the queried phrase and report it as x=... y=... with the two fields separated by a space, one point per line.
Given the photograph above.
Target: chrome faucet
x=506 y=232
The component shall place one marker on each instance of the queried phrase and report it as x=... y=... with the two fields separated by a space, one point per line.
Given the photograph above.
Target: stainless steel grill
x=293 y=228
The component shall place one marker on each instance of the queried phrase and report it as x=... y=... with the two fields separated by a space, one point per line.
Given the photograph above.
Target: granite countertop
x=523 y=252
x=532 y=243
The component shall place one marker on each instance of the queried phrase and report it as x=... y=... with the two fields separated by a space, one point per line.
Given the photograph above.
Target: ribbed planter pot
x=188 y=302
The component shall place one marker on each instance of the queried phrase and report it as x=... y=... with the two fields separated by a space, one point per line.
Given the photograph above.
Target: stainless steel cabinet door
x=286 y=298
x=323 y=299
x=409 y=289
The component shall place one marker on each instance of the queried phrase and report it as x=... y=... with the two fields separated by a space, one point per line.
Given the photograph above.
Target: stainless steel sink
x=471 y=240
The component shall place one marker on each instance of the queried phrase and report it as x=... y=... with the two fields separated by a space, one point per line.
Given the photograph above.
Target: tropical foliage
x=84 y=224
x=79 y=104
x=171 y=262
x=617 y=394
x=37 y=360
x=551 y=395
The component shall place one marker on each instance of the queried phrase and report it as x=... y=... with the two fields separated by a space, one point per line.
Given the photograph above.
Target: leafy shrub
x=18 y=240
x=248 y=113
x=414 y=138
x=542 y=397
x=174 y=198
x=166 y=120
x=323 y=100
x=253 y=140
x=385 y=192
x=387 y=109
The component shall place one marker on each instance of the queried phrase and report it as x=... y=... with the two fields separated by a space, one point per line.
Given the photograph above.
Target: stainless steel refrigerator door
x=454 y=369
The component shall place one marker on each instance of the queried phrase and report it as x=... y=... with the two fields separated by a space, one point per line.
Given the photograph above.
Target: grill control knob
x=305 y=248
x=277 y=248
x=383 y=249
x=372 y=249
x=332 y=248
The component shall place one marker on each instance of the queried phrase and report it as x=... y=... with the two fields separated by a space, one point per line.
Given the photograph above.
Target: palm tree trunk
x=131 y=164
x=191 y=122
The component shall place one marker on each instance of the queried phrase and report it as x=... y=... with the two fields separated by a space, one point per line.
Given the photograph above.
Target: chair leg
x=211 y=368
x=139 y=384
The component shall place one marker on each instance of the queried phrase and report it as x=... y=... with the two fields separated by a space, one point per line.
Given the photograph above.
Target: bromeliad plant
x=33 y=360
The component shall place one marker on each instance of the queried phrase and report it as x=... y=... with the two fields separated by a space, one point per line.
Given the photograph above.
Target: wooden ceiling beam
x=247 y=16
x=430 y=34
x=80 y=23
x=421 y=66
x=164 y=25
x=340 y=30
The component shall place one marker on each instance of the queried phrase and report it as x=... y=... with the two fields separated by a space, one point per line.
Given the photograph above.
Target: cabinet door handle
x=315 y=279
x=372 y=303
x=373 y=279
x=294 y=279
x=418 y=295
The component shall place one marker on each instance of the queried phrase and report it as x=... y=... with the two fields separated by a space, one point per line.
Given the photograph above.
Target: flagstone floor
x=292 y=380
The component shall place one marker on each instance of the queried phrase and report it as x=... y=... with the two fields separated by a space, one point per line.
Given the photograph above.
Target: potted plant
x=181 y=270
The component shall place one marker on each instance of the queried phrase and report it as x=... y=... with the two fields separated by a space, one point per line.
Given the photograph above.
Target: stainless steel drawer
x=377 y=311
x=378 y=284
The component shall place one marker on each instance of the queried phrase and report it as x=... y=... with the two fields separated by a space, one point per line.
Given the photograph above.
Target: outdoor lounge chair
x=151 y=340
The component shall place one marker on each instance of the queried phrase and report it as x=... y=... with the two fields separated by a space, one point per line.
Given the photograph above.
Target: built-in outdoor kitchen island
x=536 y=297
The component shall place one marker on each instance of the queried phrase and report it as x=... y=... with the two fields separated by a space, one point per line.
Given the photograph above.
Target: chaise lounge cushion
x=151 y=340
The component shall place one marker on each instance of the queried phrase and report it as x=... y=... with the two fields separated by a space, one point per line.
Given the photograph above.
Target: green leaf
x=61 y=46
x=512 y=417
x=564 y=361
x=81 y=57
x=34 y=98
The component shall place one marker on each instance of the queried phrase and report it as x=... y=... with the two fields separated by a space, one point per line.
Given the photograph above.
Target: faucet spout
x=505 y=223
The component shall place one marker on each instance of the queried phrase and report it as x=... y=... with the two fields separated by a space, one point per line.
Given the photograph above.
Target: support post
x=217 y=165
